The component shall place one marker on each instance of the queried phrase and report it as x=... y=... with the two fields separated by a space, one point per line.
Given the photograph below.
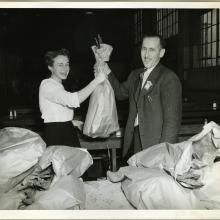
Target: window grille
x=209 y=54
x=138 y=31
x=167 y=22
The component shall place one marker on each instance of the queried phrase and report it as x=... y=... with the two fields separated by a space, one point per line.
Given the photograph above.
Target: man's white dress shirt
x=145 y=76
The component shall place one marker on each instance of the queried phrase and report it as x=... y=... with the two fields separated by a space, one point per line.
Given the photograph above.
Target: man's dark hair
x=162 y=41
x=50 y=55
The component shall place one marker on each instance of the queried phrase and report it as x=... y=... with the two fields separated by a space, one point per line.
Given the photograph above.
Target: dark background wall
x=200 y=84
x=26 y=34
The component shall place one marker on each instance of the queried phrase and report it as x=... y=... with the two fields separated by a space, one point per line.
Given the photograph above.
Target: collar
x=148 y=70
x=55 y=80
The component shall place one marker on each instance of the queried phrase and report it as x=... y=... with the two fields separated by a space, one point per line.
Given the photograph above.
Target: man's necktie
x=140 y=85
x=141 y=79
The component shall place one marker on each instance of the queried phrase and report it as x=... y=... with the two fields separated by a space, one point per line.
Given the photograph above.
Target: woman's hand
x=101 y=67
x=100 y=77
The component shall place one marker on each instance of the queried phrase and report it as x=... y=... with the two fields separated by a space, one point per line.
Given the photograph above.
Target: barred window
x=138 y=17
x=167 y=22
x=210 y=39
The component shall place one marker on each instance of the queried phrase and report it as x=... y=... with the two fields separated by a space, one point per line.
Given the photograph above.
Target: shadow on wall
x=203 y=85
x=23 y=93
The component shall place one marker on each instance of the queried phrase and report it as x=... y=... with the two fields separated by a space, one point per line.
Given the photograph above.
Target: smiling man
x=155 y=99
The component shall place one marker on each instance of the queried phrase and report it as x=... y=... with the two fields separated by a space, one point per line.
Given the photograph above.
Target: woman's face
x=60 y=68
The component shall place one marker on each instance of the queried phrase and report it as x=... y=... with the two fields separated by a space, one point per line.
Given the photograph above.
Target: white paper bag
x=102 y=118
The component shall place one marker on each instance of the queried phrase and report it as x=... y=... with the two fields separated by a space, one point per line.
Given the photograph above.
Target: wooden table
x=112 y=143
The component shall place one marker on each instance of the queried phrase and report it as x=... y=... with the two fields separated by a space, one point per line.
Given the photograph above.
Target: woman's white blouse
x=56 y=104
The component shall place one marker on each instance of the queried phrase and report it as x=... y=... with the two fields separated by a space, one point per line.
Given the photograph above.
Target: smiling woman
x=60 y=68
x=57 y=105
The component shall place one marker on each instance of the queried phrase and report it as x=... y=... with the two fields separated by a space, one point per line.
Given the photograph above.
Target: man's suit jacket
x=159 y=108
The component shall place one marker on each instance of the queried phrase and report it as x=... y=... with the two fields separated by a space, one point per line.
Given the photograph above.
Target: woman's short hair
x=50 y=55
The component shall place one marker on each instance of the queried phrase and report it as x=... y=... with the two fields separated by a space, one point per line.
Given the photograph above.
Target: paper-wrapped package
x=183 y=175
x=20 y=149
x=35 y=177
x=102 y=118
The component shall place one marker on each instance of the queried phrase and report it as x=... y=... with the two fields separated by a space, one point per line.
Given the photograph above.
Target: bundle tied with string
x=101 y=119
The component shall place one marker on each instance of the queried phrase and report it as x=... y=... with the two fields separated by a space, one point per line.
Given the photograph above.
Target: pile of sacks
x=35 y=177
x=185 y=175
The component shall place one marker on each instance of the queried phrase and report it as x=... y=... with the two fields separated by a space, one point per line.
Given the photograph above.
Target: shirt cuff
x=107 y=69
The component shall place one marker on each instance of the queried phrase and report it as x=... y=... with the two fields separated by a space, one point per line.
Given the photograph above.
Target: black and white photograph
x=110 y=107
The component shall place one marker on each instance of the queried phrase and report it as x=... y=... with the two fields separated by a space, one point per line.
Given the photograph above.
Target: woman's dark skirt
x=61 y=133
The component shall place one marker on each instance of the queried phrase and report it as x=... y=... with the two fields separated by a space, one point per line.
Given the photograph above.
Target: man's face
x=151 y=51
x=60 y=68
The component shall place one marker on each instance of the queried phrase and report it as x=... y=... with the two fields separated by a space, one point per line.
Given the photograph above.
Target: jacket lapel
x=153 y=78
x=137 y=85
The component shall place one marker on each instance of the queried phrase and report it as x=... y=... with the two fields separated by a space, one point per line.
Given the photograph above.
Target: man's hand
x=103 y=53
